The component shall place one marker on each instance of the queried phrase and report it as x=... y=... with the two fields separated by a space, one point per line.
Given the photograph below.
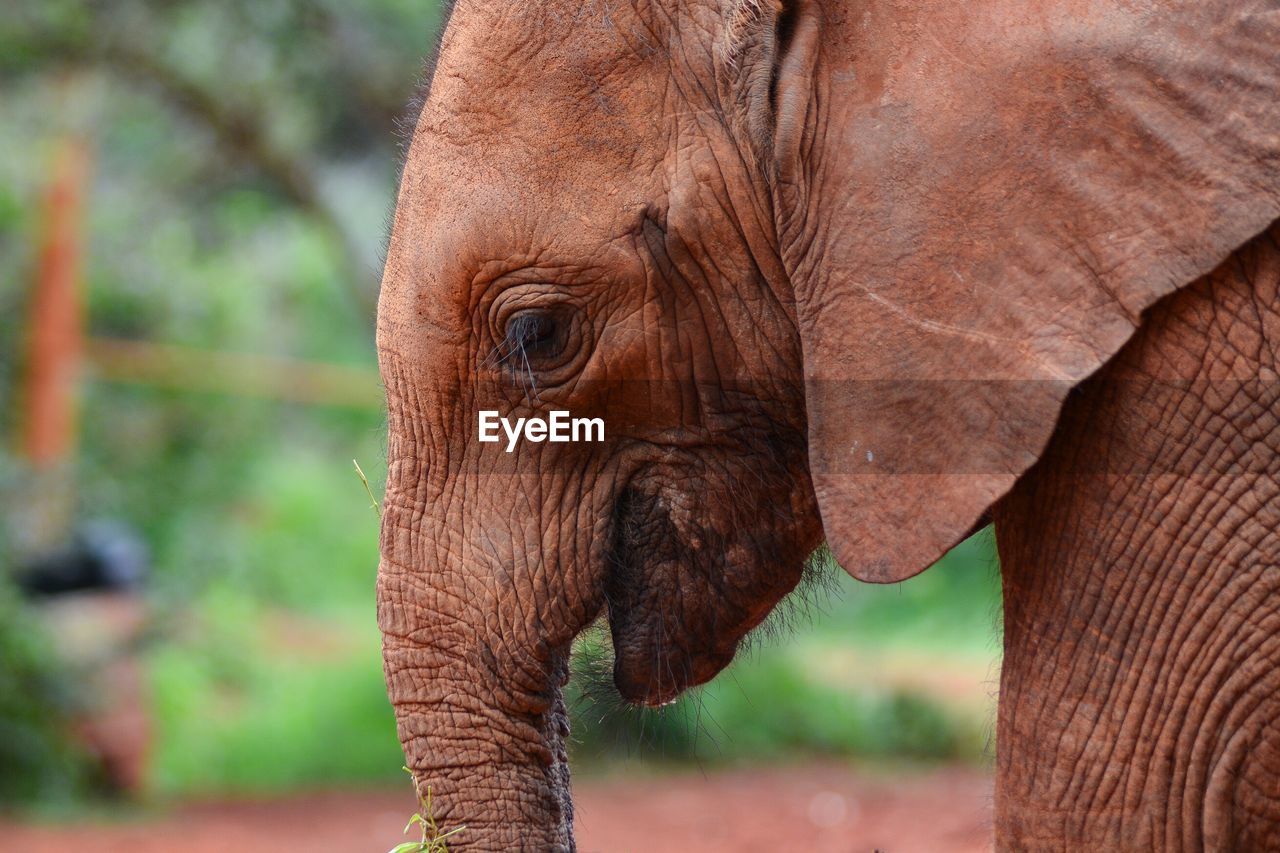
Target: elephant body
x=1140 y=691
x=865 y=272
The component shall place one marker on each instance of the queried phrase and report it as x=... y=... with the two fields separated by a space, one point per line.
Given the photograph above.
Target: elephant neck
x=1140 y=693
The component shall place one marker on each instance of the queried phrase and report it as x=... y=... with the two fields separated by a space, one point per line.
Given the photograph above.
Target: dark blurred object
x=86 y=594
x=104 y=555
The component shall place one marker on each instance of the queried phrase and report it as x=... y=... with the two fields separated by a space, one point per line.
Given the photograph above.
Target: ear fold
x=991 y=195
x=773 y=47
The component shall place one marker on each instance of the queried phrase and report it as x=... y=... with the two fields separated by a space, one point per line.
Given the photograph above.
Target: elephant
x=872 y=274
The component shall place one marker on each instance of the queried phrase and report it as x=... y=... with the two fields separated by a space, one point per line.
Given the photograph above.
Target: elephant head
x=820 y=267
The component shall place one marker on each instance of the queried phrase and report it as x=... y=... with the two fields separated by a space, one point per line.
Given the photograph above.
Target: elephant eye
x=532 y=338
x=532 y=331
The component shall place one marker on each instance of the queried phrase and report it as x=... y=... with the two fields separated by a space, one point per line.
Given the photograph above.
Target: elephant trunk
x=475 y=645
x=484 y=727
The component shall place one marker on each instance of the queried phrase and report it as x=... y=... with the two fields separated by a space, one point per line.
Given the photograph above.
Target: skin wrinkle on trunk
x=1141 y=557
x=479 y=706
x=497 y=743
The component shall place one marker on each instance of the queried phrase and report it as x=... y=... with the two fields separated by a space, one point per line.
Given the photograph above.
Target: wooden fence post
x=55 y=342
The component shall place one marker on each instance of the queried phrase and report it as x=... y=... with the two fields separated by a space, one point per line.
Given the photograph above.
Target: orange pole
x=56 y=333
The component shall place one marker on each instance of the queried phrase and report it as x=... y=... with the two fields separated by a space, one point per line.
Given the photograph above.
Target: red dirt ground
x=823 y=809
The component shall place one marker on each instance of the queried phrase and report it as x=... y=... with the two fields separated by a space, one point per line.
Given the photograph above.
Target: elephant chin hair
x=819 y=584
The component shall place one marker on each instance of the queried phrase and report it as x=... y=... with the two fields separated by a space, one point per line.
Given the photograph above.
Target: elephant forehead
x=470 y=214
x=533 y=146
x=530 y=128
x=545 y=75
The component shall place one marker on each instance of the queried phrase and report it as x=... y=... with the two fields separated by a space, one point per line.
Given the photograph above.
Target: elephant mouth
x=659 y=596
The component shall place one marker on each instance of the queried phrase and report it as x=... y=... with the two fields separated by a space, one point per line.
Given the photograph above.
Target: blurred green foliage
x=245 y=154
x=244 y=160
x=37 y=702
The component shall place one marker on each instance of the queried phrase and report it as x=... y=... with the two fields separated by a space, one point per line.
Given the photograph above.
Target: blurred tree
x=295 y=93
x=245 y=160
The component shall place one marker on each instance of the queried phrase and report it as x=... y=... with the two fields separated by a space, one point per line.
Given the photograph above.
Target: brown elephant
x=874 y=272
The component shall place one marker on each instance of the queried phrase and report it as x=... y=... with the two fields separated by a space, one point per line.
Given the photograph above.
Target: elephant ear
x=986 y=199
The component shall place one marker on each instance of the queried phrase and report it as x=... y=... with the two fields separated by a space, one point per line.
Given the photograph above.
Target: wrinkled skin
x=1152 y=559
x=824 y=269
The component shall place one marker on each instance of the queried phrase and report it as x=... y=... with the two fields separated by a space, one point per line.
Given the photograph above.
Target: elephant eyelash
x=530 y=337
x=531 y=332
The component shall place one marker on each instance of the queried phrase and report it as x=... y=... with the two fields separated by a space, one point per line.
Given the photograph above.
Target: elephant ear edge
x=1015 y=184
